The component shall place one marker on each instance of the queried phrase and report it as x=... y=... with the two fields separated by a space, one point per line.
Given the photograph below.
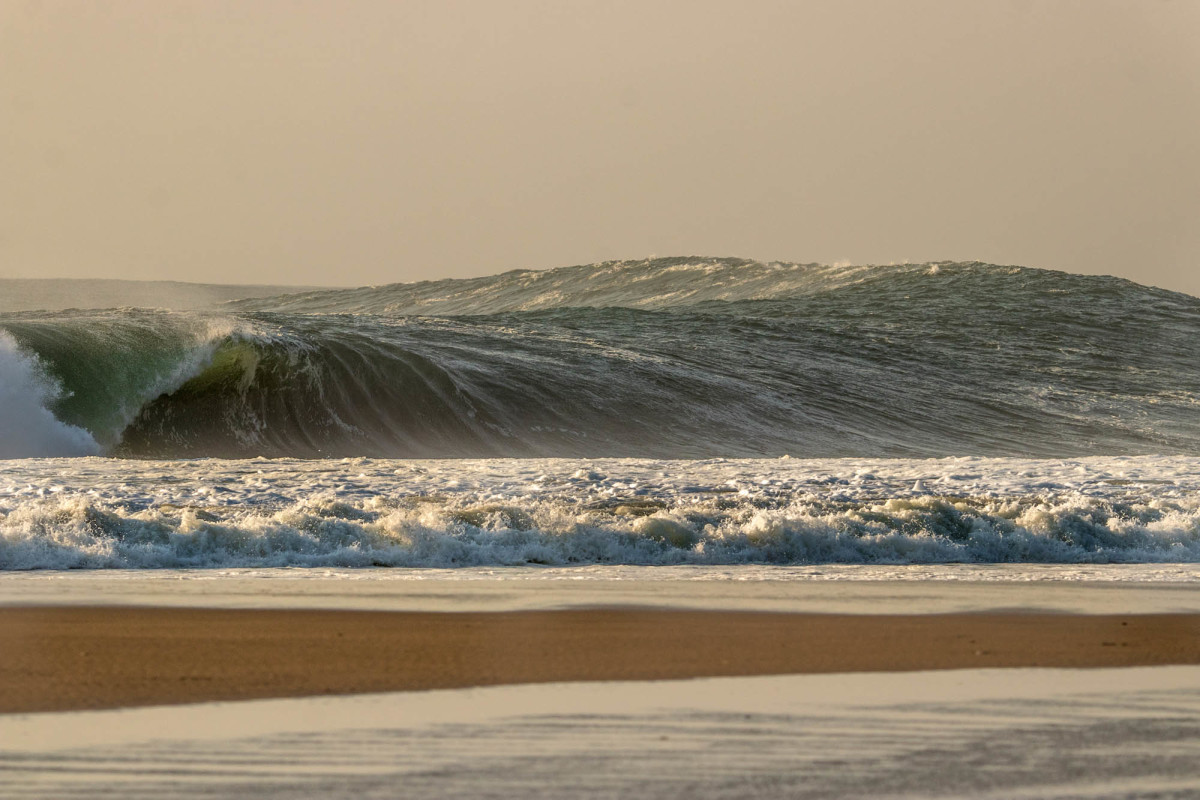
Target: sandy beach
x=72 y=658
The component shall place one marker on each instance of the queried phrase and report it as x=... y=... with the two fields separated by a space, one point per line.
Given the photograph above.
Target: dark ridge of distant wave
x=677 y=282
x=57 y=294
x=928 y=360
x=643 y=283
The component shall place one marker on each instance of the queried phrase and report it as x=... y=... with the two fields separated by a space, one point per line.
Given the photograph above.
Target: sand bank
x=63 y=658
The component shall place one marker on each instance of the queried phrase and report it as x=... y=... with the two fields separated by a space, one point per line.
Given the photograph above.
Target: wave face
x=667 y=358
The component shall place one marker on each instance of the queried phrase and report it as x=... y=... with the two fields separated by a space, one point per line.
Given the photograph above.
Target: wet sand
x=70 y=658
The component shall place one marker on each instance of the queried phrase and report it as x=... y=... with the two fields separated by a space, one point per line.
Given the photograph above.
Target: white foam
x=103 y=513
x=28 y=429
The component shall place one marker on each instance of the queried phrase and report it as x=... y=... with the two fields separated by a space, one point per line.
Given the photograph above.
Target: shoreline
x=62 y=658
x=819 y=589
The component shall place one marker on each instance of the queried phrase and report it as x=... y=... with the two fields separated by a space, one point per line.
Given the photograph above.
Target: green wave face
x=107 y=365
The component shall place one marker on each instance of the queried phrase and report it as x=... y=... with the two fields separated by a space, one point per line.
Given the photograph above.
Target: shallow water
x=981 y=733
x=833 y=589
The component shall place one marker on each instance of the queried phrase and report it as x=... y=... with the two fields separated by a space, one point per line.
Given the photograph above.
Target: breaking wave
x=27 y=427
x=417 y=531
x=679 y=358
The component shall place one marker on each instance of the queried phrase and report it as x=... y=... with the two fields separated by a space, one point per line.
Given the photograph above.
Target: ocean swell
x=667 y=358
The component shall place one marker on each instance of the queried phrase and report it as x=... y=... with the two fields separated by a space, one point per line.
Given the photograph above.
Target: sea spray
x=27 y=426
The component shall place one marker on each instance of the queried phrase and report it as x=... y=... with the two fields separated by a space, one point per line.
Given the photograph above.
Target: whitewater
x=669 y=413
x=450 y=513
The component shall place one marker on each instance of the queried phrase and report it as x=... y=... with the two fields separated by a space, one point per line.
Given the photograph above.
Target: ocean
x=674 y=412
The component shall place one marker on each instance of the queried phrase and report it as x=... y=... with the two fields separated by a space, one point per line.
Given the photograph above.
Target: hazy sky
x=377 y=141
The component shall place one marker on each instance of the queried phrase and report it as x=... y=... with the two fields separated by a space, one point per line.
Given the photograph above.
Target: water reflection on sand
x=984 y=733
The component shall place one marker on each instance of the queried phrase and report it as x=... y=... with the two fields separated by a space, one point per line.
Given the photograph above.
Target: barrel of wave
x=28 y=429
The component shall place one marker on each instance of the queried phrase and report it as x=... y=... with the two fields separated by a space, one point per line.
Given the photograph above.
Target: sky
x=373 y=141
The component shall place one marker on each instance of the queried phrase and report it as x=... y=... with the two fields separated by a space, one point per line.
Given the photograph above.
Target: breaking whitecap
x=104 y=513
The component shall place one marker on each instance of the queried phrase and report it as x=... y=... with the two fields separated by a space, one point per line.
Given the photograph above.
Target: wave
x=663 y=283
x=424 y=531
x=93 y=372
x=644 y=283
x=677 y=358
